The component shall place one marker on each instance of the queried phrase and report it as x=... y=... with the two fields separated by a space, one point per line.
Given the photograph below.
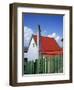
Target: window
x=33 y=45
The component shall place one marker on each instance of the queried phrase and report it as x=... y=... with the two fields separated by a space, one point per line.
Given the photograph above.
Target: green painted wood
x=52 y=64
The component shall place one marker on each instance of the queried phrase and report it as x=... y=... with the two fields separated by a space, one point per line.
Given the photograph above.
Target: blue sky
x=51 y=25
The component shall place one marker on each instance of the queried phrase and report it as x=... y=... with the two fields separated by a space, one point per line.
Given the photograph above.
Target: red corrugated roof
x=48 y=46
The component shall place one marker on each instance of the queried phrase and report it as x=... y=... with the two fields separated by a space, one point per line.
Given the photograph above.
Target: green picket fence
x=53 y=64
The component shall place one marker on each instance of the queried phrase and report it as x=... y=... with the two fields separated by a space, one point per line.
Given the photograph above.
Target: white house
x=41 y=45
x=32 y=52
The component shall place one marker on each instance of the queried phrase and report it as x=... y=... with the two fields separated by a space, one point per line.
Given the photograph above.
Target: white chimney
x=38 y=39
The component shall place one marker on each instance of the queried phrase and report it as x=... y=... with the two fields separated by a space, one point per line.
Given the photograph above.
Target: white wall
x=32 y=51
x=4 y=46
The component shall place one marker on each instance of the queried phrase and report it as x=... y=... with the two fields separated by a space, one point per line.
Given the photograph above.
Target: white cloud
x=27 y=35
x=53 y=35
x=56 y=37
